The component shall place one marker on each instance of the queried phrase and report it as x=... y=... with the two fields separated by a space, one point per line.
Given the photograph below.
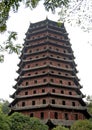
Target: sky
x=20 y=22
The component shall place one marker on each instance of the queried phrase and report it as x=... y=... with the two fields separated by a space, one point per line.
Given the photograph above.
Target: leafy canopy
x=60 y=128
x=82 y=125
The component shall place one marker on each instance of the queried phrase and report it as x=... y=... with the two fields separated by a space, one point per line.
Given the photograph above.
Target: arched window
x=44 y=80
x=66 y=116
x=23 y=103
x=27 y=83
x=70 y=93
x=44 y=101
x=31 y=115
x=33 y=102
x=62 y=91
x=35 y=81
x=34 y=92
x=53 y=90
x=42 y=115
x=63 y=102
x=56 y=115
x=73 y=103
x=52 y=80
x=43 y=90
x=26 y=93
x=69 y=83
x=53 y=101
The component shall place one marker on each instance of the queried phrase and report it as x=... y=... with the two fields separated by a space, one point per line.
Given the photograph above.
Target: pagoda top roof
x=48 y=21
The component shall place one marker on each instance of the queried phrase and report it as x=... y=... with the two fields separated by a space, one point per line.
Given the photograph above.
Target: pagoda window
x=44 y=101
x=43 y=55
x=64 y=51
x=73 y=103
x=66 y=116
x=26 y=93
x=42 y=115
x=70 y=93
x=44 y=80
x=66 y=74
x=52 y=71
x=53 y=101
x=60 y=81
x=28 y=66
x=29 y=74
x=51 y=80
x=31 y=115
x=58 y=56
x=56 y=115
x=36 y=72
x=27 y=83
x=53 y=90
x=50 y=47
x=69 y=83
x=35 y=81
x=51 y=63
x=30 y=51
x=34 y=92
x=36 y=64
x=45 y=47
x=58 y=64
x=66 y=66
x=59 y=73
x=37 y=49
x=33 y=102
x=63 y=103
x=43 y=90
x=51 y=55
x=76 y=116
x=64 y=58
x=36 y=56
x=57 y=49
x=43 y=72
x=62 y=92
x=23 y=104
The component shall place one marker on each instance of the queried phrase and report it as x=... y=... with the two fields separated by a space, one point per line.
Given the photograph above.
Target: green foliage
x=37 y=125
x=82 y=125
x=9 y=46
x=4 y=122
x=22 y=122
x=4 y=106
x=19 y=121
x=60 y=128
x=53 y=4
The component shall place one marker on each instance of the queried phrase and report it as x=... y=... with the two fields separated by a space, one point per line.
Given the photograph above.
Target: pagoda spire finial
x=46 y=17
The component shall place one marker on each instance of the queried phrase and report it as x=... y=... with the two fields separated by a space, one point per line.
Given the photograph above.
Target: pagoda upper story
x=47 y=86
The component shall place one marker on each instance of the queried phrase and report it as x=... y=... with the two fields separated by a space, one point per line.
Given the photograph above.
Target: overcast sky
x=82 y=50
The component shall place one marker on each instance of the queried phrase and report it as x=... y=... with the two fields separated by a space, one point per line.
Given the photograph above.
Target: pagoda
x=48 y=86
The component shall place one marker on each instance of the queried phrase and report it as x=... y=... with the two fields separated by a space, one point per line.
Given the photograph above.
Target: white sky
x=82 y=50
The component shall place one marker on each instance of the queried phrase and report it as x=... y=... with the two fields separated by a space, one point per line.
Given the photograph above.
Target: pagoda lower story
x=47 y=86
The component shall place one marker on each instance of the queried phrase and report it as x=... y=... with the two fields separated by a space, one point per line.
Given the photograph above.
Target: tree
x=4 y=122
x=36 y=124
x=60 y=128
x=4 y=106
x=22 y=122
x=82 y=125
x=19 y=121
